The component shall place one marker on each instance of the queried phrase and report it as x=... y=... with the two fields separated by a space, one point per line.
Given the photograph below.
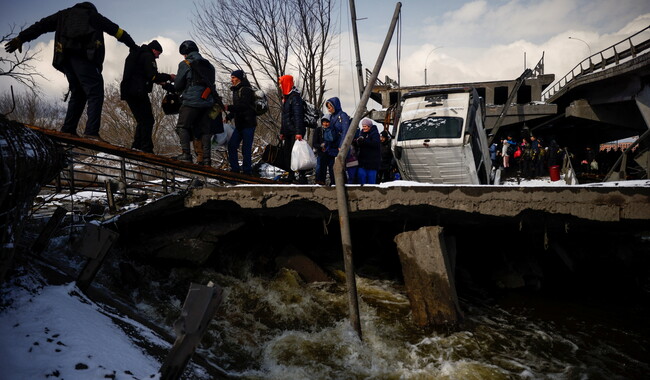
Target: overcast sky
x=473 y=40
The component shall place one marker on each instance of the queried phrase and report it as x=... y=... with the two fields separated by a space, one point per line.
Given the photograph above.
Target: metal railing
x=606 y=58
x=127 y=176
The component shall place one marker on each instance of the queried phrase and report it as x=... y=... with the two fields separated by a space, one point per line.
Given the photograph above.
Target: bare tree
x=118 y=123
x=18 y=66
x=269 y=38
x=32 y=109
x=314 y=26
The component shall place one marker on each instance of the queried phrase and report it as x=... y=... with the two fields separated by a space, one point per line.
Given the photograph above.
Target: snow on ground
x=56 y=332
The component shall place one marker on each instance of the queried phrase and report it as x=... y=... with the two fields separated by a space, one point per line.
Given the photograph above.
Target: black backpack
x=312 y=114
x=203 y=74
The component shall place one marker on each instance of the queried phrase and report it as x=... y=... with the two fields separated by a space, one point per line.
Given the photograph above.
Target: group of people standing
x=79 y=53
x=529 y=156
x=369 y=159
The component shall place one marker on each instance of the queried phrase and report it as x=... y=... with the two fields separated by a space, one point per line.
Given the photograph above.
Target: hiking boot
x=94 y=137
x=71 y=133
x=184 y=157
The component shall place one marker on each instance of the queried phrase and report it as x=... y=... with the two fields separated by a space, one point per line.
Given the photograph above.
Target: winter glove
x=13 y=45
x=298 y=137
x=169 y=87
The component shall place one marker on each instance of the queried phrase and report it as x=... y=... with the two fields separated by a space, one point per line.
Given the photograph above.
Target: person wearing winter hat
x=196 y=103
x=340 y=122
x=140 y=73
x=293 y=126
x=242 y=111
x=386 y=166
x=325 y=143
x=369 y=153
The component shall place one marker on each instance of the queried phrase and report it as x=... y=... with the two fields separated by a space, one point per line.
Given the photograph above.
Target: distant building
x=623 y=144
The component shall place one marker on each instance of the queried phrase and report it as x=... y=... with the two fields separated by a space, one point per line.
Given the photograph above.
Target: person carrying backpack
x=197 y=99
x=293 y=123
x=79 y=54
x=140 y=73
x=242 y=111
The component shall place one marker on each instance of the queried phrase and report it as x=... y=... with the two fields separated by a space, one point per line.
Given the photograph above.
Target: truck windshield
x=434 y=127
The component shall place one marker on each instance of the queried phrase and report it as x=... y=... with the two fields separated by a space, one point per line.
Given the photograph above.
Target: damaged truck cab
x=441 y=138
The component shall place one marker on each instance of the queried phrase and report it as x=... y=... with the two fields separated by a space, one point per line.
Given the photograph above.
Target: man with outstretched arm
x=140 y=73
x=79 y=54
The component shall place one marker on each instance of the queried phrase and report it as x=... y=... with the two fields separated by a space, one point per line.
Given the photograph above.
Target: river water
x=273 y=325
x=278 y=327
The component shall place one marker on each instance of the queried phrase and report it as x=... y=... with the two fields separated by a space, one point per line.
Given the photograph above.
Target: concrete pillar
x=428 y=276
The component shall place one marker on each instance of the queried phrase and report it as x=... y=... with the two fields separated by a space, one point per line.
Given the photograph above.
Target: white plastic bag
x=221 y=139
x=302 y=156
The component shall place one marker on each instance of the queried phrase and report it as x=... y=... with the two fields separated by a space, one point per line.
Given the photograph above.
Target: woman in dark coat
x=369 y=153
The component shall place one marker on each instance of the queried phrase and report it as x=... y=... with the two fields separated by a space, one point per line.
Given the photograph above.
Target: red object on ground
x=554 y=171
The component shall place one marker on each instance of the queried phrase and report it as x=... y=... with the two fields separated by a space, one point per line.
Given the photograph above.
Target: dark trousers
x=192 y=123
x=86 y=86
x=141 y=108
x=326 y=165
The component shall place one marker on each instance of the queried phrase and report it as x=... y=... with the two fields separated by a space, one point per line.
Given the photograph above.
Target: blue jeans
x=352 y=174
x=366 y=176
x=238 y=135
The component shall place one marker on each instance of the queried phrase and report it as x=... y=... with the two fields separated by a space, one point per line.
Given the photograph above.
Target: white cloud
x=482 y=40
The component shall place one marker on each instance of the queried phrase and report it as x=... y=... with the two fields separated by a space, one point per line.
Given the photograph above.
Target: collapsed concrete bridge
x=423 y=230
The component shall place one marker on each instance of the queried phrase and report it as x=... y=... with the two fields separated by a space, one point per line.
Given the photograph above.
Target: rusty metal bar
x=153 y=159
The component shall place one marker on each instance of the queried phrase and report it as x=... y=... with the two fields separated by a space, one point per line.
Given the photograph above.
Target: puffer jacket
x=369 y=149
x=293 y=115
x=339 y=120
x=191 y=94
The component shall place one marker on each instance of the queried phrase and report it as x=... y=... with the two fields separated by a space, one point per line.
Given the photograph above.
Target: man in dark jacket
x=293 y=123
x=196 y=103
x=140 y=73
x=79 y=54
x=242 y=111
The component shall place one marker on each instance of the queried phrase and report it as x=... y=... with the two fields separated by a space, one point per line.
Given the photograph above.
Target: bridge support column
x=643 y=102
x=428 y=276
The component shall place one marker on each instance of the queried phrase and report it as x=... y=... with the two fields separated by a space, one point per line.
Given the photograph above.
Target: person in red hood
x=293 y=125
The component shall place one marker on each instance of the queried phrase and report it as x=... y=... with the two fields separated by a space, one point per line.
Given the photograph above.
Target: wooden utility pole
x=353 y=14
x=339 y=174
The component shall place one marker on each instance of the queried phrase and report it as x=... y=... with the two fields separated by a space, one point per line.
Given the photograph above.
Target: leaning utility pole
x=339 y=175
x=353 y=14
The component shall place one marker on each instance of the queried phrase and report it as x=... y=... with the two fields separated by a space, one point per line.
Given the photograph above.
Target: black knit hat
x=155 y=45
x=238 y=74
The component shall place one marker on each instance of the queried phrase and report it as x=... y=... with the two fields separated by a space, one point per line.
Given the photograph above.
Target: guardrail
x=613 y=55
x=130 y=177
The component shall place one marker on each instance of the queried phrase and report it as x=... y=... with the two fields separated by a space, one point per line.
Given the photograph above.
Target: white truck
x=440 y=138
